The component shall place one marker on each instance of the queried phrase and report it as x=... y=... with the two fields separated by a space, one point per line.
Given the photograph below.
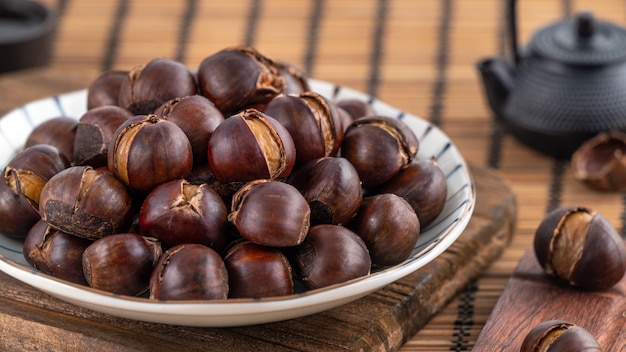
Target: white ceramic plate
x=17 y=124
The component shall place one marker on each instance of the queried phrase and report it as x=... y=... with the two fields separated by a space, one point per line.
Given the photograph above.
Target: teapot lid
x=581 y=41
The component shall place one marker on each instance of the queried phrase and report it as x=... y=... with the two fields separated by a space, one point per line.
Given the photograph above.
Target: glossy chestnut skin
x=148 y=86
x=356 y=108
x=580 y=247
x=105 y=89
x=198 y=117
x=332 y=187
x=250 y=145
x=94 y=132
x=27 y=173
x=147 y=150
x=238 y=77
x=178 y=212
x=58 y=132
x=600 y=162
x=270 y=213
x=17 y=215
x=389 y=227
x=55 y=252
x=331 y=254
x=121 y=263
x=295 y=79
x=257 y=271
x=189 y=272
x=312 y=121
x=423 y=184
x=559 y=336
x=379 y=147
x=86 y=202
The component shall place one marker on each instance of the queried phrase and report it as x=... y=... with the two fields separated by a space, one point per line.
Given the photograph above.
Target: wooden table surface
x=417 y=55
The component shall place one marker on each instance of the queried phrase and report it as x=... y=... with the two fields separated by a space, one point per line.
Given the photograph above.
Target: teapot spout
x=497 y=79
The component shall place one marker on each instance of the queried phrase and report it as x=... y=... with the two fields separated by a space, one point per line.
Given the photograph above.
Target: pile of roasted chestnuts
x=233 y=180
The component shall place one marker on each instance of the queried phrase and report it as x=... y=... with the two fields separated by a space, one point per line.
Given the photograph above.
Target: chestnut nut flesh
x=600 y=162
x=559 y=335
x=581 y=247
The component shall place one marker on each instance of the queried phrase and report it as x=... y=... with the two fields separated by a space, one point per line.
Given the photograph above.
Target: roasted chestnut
x=257 y=271
x=58 y=132
x=148 y=86
x=198 y=117
x=423 y=184
x=580 y=247
x=295 y=80
x=600 y=162
x=389 y=227
x=105 y=89
x=270 y=213
x=121 y=263
x=332 y=187
x=147 y=150
x=356 y=108
x=17 y=215
x=55 y=252
x=379 y=147
x=86 y=202
x=189 y=272
x=238 y=77
x=250 y=145
x=312 y=121
x=27 y=173
x=178 y=212
x=93 y=134
x=559 y=335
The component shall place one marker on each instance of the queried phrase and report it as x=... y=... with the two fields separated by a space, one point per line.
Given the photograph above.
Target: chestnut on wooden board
x=559 y=336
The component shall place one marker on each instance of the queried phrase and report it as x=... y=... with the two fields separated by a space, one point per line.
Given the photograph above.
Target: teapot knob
x=584 y=26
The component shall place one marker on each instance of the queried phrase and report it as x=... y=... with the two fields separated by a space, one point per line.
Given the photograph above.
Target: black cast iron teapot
x=567 y=85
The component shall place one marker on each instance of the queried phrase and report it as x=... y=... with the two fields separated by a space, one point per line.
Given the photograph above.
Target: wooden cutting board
x=382 y=321
x=530 y=297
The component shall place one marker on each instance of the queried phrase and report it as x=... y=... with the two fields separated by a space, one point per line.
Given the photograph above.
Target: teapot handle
x=511 y=17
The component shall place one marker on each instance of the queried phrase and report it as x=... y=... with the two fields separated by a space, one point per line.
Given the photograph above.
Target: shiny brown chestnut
x=27 y=173
x=86 y=202
x=312 y=121
x=559 y=335
x=148 y=86
x=238 y=77
x=423 y=184
x=55 y=252
x=250 y=145
x=17 y=215
x=256 y=271
x=121 y=263
x=579 y=246
x=270 y=213
x=332 y=187
x=389 y=227
x=331 y=254
x=105 y=89
x=58 y=132
x=198 y=117
x=147 y=150
x=600 y=162
x=178 y=212
x=189 y=272
x=379 y=147
x=356 y=108
x=295 y=79
x=93 y=134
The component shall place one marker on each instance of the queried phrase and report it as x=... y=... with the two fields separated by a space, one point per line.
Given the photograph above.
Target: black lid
x=581 y=41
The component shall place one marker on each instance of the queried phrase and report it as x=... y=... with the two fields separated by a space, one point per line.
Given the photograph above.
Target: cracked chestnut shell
x=312 y=121
x=147 y=150
x=270 y=213
x=86 y=202
x=332 y=187
x=178 y=212
x=146 y=87
x=59 y=132
x=121 y=263
x=257 y=271
x=250 y=145
x=295 y=79
x=559 y=335
x=579 y=246
x=237 y=78
x=189 y=272
x=600 y=162
x=331 y=254
x=55 y=252
x=378 y=147
x=17 y=215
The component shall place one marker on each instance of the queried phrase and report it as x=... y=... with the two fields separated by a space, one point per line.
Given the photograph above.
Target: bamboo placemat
x=418 y=56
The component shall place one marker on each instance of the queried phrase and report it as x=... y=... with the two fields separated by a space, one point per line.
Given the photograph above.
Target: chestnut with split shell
x=17 y=215
x=559 y=335
x=600 y=162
